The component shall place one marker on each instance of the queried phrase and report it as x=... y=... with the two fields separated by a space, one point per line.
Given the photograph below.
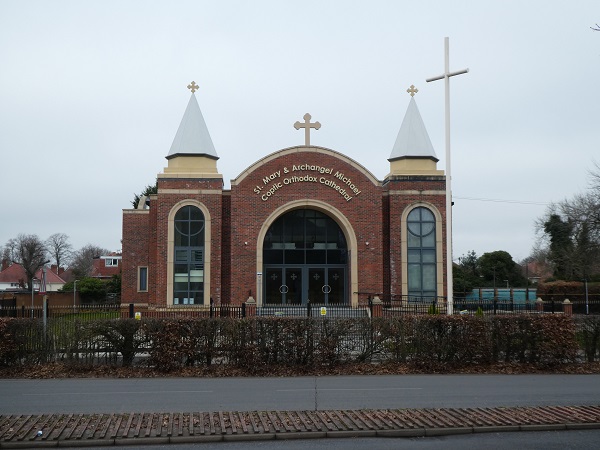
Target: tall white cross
x=307 y=126
x=446 y=77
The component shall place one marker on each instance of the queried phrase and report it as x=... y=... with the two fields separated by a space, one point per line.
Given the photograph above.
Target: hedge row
x=567 y=289
x=256 y=344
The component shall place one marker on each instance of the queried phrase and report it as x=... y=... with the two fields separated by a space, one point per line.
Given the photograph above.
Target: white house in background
x=13 y=277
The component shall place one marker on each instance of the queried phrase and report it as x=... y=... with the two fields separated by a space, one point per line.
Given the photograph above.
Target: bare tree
x=82 y=262
x=570 y=232
x=59 y=248
x=29 y=251
x=594 y=175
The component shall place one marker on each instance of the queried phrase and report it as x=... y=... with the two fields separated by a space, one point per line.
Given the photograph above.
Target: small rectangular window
x=111 y=262
x=142 y=279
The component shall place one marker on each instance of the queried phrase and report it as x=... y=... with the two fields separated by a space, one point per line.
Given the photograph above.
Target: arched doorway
x=305 y=257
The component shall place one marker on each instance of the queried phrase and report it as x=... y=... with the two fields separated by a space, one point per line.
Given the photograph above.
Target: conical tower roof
x=192 y=138
x=413 y=140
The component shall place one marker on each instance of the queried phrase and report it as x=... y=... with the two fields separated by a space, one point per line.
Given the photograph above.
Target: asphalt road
x=296 y=393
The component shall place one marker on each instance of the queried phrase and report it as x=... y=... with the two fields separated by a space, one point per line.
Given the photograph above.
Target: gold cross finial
x=307 y=126
x=412 y=90
x=193 y=86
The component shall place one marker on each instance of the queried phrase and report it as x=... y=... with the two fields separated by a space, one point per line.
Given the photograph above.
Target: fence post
x=567 y=307
x=211 y=313
x=131 y=311
x=250 y=307
x=495 y=305
x=370 y=304
x=308 y=309
x=376 y=307
x=539 y=305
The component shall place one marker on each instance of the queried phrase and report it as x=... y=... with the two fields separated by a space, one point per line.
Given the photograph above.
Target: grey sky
x=91 y=95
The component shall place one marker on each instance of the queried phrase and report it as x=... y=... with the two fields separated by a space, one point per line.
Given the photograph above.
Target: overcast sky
x=92 y=93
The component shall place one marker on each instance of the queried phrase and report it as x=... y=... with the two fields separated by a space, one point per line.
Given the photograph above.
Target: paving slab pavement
x=82 y=430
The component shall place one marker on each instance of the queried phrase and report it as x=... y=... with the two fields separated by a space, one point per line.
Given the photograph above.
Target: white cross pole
x=446 y=77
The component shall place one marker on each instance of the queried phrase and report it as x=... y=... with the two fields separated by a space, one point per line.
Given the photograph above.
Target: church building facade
x=304 y=223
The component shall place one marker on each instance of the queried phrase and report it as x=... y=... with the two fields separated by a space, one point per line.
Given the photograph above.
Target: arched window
x=188 y=282
x=305 y=258
x=305 y=236
x=422 y=276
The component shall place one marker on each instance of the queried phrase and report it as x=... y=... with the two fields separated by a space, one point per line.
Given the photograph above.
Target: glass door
x=293 y=287
x=297 y=285
x=326 y=285
x=283 y=286
x=337 y=285
x=273 y=282
x=317 y=285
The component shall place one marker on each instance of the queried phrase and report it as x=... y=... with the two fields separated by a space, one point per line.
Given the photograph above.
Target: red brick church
x=302 y=223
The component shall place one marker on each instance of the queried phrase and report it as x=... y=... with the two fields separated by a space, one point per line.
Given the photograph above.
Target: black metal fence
x=494 y=306
x=315 y=311
x=89 y=312
x=390 y=306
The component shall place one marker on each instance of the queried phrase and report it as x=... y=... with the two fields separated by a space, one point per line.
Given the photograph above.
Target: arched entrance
x=305 y=257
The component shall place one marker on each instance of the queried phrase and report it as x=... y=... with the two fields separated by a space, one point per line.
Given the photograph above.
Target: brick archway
x=336 y=215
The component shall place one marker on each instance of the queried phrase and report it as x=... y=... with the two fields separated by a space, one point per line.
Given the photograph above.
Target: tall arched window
x=188 y=282
x=422 y=277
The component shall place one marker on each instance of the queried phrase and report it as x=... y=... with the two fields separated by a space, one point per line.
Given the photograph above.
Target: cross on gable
x=307 y=126
x=412 y=90
x=193 y=86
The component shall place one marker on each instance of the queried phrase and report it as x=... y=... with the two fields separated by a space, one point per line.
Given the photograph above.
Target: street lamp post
x=74 y=293
x=512 y=305
x=587 y=306
x=32 y=294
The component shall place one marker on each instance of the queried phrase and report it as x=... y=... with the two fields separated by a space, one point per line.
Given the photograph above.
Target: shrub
x=544 y=340
x=257 y=344
x=8 y=345
x=588 y=336
x=124 y=336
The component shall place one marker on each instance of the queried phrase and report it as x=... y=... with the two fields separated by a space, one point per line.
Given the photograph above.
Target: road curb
x=497 y=429
x=406 y=432
x=545 y=427
x=448 y=431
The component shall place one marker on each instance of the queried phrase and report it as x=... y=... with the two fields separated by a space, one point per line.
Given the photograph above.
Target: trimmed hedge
x=255 y=344
x=567 y=289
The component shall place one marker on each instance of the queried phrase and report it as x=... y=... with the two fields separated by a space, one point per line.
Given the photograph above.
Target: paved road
x=298 y=393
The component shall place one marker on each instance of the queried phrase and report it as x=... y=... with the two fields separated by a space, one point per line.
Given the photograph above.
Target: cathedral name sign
x=335 y=180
